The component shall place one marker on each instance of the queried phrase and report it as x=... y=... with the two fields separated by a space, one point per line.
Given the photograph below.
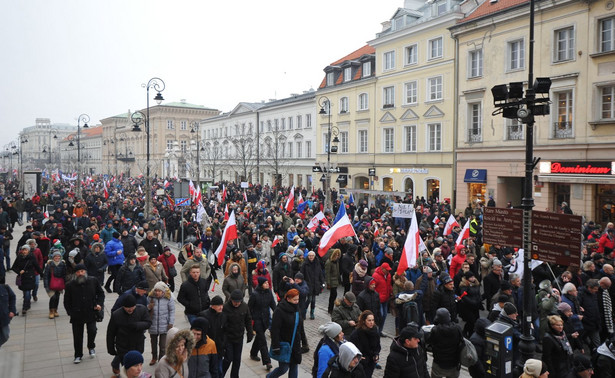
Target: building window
x=475 y=123
x=608 y=102
x=411 y=54
x=434 y=88
x=476 y=63
x=299 y=119
x=269 y=125
x=169 y=144
x=169 y=124
x=363 y=101
x=308 y=149
x=389 y=60
x=347 y=73
x=388 y=97
x=276 y=124
x=411 y=92
x=435 y=48
x=290 y=123
x=183 y=125
x=607 y=34
x=344 y=105
x=362 y=141
x=344 y=142
x=410 y=138
x=562 y=127
x=330 y=79
x=299 y=152
x=516 y=55
x=308 y=121
x=290 y=149
x=325 y=143
x=367 y=69
x=441 y=7
x=183 y=145
x=435 y=136
x=564 y=44
x=262 y=128
x=389 y=140
x=514 y=129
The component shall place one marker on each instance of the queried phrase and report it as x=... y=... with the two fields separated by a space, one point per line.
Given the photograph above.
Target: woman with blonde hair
x=175 y=361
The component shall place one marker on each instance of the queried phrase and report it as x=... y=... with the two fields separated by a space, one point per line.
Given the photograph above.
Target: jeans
x=283 y=368
x=54 y=301
x=4 y=334
x=384 y=309
x=36 y=283
x=27 y=295
x=78 y=338
x=232 y=355
x=158 y=343
x=191 y=318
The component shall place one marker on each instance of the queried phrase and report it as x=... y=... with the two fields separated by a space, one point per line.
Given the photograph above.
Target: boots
x=312 y=314
x=51 y=314
x=55 y=313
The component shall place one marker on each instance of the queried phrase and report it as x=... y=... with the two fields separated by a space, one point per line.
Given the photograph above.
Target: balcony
x=475 y=136
x=514 y=132
x=562 y=130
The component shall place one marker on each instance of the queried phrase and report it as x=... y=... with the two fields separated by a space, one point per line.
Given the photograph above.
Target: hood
x=605 y=351
x=173 y=339
x=167 y=293
x=480 y=326
x=348 y=351
x=442 y=316
x=100 y=245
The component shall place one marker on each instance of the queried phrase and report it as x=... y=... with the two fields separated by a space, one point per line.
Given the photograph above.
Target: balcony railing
x=562 y=130
x=475 y=136
x=514 y=132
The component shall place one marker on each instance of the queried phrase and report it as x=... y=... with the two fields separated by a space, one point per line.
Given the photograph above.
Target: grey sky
x=64 y=58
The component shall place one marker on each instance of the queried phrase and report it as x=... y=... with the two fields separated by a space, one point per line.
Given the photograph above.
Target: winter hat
x=363 y=263
x=505 y=285
x=330 y=329
x=142 y=285
x=409 y=333
x=564 y=307
x=350 y=297
x=581 y=363
x=261 y=281
x=116 y=234
x=132 y=358
x=428 y=270
x=509 y=308
x=200 y=324
x=56 y=253
x=216 y=301
x=386 y=267
x=160 y=286
x=96 y=237
x=236 y=295
x=300 y=276
x=469 y=274
x=80 y=267
x=166 y=249
x=261 y=265
x=129 y=301
x=534 y=368
x=445 y=279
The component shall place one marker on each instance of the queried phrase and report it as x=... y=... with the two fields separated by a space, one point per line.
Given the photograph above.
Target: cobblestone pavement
x=39 y=346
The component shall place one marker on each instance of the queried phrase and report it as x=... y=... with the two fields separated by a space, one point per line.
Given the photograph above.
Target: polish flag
x=290 y=202
x=313 y=224
x=412 y=247
x=191 y=190
x=245 y=196
x=226 y=212
x=464 y=234
x=436 y=220
x=376 y=231
x=198 y=196
x=276 y=241
x=300 y=200
x=341 y=229
x=223 y=193
x=450 y=224
x=106 y=192
x=230 y=233
x=166 y=184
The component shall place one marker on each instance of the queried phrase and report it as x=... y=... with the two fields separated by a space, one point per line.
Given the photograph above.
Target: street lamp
x=195 y=129
x=22 y=140
x=85 y=118
x=324 y=102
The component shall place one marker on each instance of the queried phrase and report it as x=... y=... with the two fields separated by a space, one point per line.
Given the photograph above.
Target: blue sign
x=475 y=175
x=508 y=343
x=182 y=202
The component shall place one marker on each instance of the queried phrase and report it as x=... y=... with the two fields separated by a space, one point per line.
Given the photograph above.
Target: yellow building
x=575 y=48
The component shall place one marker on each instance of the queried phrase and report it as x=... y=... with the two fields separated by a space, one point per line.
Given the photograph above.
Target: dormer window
x=347 y=74
x=441 y=7
x=367 y=69
x=330 y=79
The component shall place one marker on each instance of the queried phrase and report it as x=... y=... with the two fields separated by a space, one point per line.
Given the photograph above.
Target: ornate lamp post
x=85 y=118
x=333 y=131
x=195 y=129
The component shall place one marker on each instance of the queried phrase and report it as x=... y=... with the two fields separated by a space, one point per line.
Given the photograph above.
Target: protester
x=366 y=338
x=178 y=349
x=161 y=306
x=8 y=310
x=26 y=266
x=239 y=322
x=261 y=303
x=203 y=362
x=286 y=324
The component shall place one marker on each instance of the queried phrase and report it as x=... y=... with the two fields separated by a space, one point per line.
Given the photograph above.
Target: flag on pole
x=450 y=224
x=436 y=220
x=166 y=184
x=412 y=247
x=245 y=196
x=200 y=213
x=350 y=199
x=341 y=212
x=276 y=241
x=315 y=220
x=290 y=202
x=464 y=234
x=198 y=196
x=223 y=193
x=376 y=231
x=191 y=190
x=105 y=191
x=341 y=229
x=230 y=233
x=225 y=212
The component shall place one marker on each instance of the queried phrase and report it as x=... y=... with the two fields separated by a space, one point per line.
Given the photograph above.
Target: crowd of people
x=100 y=243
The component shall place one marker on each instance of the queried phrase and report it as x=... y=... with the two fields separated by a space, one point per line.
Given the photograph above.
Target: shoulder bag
x=285 y=348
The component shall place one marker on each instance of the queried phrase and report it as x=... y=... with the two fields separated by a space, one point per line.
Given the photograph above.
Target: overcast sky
x=61 y=58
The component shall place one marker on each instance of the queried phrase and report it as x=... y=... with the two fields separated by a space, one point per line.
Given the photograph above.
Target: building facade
x=575 y=46
x=41 y=151
x=89 y=160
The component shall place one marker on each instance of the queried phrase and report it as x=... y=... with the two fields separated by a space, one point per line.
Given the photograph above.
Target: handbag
x=172 y=271
x=285 y=348
x=18 y=280
x=468 y=355
x=56 y=283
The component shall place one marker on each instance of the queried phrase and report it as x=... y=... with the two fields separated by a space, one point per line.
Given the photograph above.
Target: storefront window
x=387 y=184
x=562 y=194
x=361 y=183
x=477 y=192
x=409 y=186
x=291 y=179
x=433 y=189
x=606 y=204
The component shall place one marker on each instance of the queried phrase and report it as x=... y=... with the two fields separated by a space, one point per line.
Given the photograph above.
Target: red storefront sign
x=582 y=168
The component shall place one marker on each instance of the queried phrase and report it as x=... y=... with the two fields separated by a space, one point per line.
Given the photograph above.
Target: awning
x=578 y=179
x=476 y=176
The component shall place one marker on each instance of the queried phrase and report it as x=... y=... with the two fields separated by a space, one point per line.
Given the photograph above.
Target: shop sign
x=475 y=176
x=578 y=168
x=409 y=170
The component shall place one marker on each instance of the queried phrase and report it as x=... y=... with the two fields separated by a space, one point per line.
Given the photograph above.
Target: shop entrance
x=433 y=189
x=606 y=204
x=477 y=192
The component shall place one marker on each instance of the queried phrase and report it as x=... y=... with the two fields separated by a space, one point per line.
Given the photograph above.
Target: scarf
x=360 y=270
x=563 y=341
x=608 y=311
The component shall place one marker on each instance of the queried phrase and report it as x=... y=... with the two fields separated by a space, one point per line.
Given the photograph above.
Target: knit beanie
x=534 y=368
x=509 y=308
x=330 y=329
x=160 y=286
x=132 y=358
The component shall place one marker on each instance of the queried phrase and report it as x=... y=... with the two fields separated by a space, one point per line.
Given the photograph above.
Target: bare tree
x=242 y=159
x=275 y=155
x=212 y=156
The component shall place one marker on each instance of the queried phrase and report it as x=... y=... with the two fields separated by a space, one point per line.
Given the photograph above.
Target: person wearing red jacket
x=384 y=288
x=458 y=259
x=606 y=244
x=260 y=271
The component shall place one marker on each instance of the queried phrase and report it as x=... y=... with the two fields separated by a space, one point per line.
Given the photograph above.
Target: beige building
x=125 y=151
x=575 y=47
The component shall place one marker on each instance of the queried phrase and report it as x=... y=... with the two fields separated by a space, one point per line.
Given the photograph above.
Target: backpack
x=468 y=354
x=410 y=313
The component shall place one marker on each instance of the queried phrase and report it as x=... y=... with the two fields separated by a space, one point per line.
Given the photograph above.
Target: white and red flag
x=341 y=229
x=450 y=224
x=223 y=193
x=245 y=196
x=230 y=233
x=376 y=230
x=198 y=196
x=106 y=192
x=412 y=247
x=276 y=241
x=436 y=220
x=225 y=212
x=464 y=234
x=317 y=218
x=290 y=202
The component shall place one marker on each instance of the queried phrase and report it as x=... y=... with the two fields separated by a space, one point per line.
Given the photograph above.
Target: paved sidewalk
x=39 y=346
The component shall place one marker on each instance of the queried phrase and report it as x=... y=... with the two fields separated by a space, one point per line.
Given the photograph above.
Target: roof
x=288 y=100
x=367 y=49
x=87 y=132
x=183 y=104
x=488 y=8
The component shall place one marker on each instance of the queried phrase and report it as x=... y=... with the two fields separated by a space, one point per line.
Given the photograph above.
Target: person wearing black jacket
x=83 y=296
x=282 y=329
x=446 y=342
x=445 y=297
x=126 y=331
x=261 y=304
x=152 y=245
x=407 y=358
x=193 y=294
x=347 y=266
x=479 y=340
x=217 y=323
x=315 y=278
x=367 y=339
x=26 y=266
x=129 y=275
x=130 y=243
x=588 y=300
x=96 y=262
x=238 y=322
x=369 y=299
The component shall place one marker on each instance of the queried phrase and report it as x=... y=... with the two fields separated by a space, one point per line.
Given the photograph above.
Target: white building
x=43 y=139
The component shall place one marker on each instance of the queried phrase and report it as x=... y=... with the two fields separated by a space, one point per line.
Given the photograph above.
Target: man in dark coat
x=261 y=304
x=446 y=342
x=129 y=242
x=588 y=300
x=82 y=299
x=407 y=358
x=126 y=331
x=315 y=278
x=347 y=263
x=492 y=283
x=369 y=299
x=193 y=294
x=282 y=269
x=239 y=322
x=444 y=297
x=217 y=323
x=152 y=245
x=8 y=309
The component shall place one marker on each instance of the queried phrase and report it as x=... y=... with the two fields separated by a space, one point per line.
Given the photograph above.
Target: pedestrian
x=346 y=363
x=217 y=324
x=556 y=349
x=133 y=365
x=534 y=369
x=154 y=272
x=126 y=330
x=239 y=322
x=582 y=367
x=479 y=340
x=26 y=266
x=346 y=313
x=233 y=281
x=369 y=299
x=315 y=278
x=83 y=298
x=96 y=262
x=129 y=275
x=384 y=288
x=54 y=277
x=161 y=307
x=8 y=310
x=469 y=301
x=261 y=303
x=328 y=347
x=359 y=273
x=588 y=300
x=196 y=259
x=407 y=357
x=445 y=297
x=175 y=361
x=203 y=363
x=168 y=261
x=366 y=338
x=446 y=342
x=509 y=316
x=332 y=277
x=286 y=326
x=114 y=249
x=193 y=294
x=139 y=291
